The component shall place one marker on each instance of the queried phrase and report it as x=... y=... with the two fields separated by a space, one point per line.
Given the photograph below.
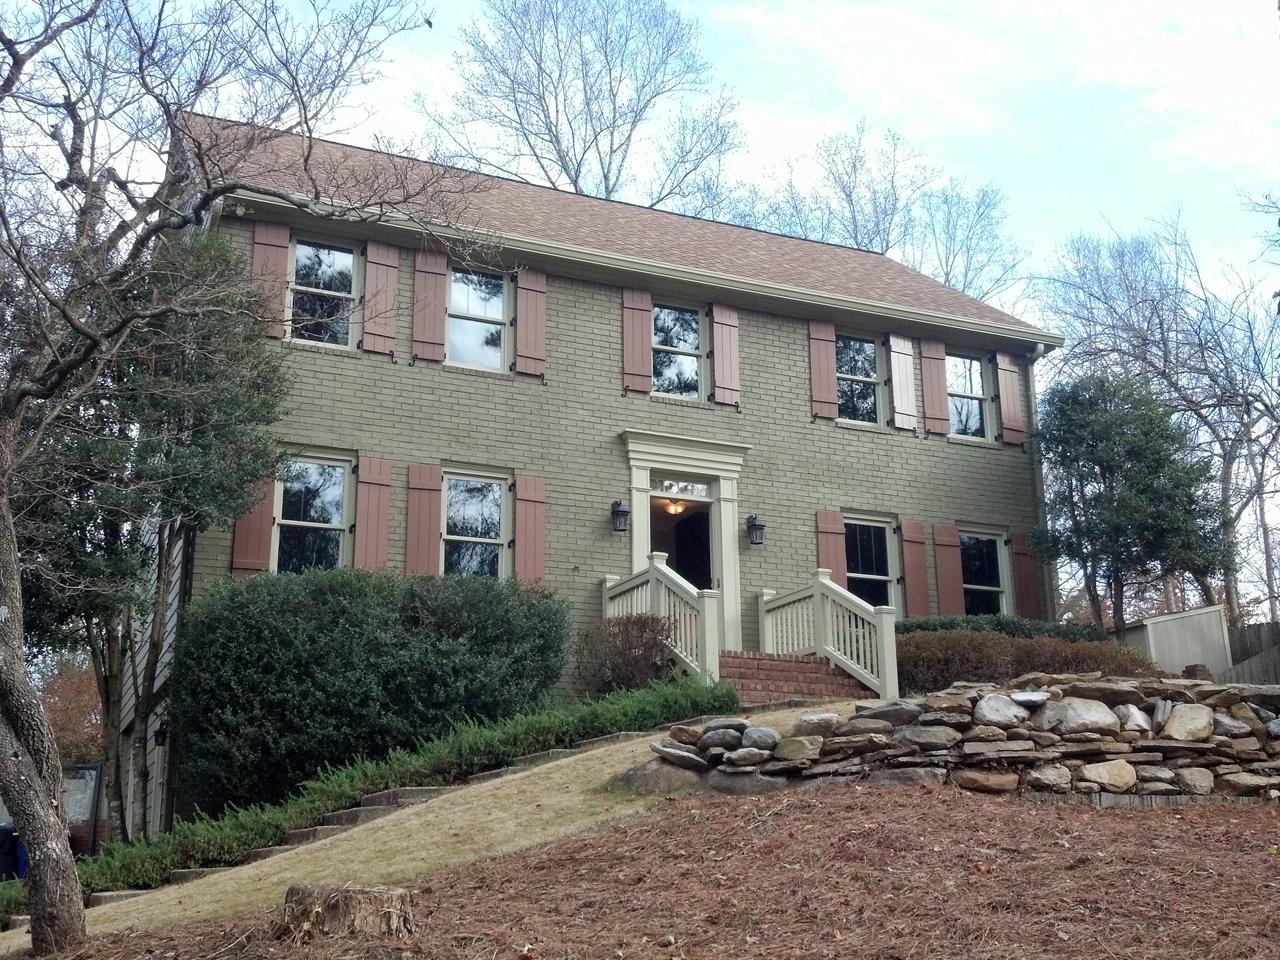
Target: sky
x=1091 y=117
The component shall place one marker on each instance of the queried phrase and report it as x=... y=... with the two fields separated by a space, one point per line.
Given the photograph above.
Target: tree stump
x=311 y=911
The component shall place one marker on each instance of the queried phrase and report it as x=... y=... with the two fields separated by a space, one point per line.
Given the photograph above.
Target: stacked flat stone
x=1080 y=733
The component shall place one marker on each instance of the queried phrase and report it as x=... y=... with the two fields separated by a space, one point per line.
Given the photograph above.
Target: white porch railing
x=694 y=614
x=825 y=619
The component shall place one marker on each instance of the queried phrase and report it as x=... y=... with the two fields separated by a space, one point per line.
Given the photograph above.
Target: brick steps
x=768 y=677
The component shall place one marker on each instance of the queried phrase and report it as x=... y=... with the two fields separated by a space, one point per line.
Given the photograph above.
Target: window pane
x=966 y=417
x=866 y=549
x=875 y=592
x=322 y=267
x=674 y=327
x=474 y=508
x=964 y=375
x=471 y=559
x=690 y=488
x=857 y=400
x=476 y=294
x=980 y=561
x=675 y=373
x=979 y=602
x=474 y=342
x=320 y=319
x=304 y=548
x=313 y=492
x=856 y=358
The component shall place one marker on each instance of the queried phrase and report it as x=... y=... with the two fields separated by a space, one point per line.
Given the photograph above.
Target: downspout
x=1050 y=583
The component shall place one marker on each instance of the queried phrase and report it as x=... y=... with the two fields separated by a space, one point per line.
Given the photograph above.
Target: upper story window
x=679 y=352
x=312 y=515
x=983 y=567
x=476 y=521
x=323 y=293
x=857 y=379
x=870 y=561
x=476 y=331
x=967 y=396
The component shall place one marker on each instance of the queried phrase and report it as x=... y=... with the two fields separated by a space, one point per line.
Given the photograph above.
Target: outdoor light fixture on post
x=161 y=735
x=621 y=517
x=755 y=530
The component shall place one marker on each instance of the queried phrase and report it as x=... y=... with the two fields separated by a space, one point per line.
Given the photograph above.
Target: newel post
x=887 y=642
x=610 y=582
x=766 y=624
x=656 y=560
x=709 y=634
x=821 y=617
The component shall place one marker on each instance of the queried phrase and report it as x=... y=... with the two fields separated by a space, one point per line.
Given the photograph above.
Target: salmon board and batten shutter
x=933 y=372
x=251 y=541
x=381 y=279
x=1027 y=595
x=637 y=340
x=373 y=513
x=902 y=377
x=1013 y=429
x=422 y=540
x=430 y=301
x=531 y=528
x=531 y=322
x=724 y=351
x=946 y=559
x=271 y=270
x=915 y=574
x=831 y=550
x=822 y=368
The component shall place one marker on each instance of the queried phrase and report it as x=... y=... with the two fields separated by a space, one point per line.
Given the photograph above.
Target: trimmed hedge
x=303 y=671
x=1002 y=623
x=470 y=748
x=933 y=660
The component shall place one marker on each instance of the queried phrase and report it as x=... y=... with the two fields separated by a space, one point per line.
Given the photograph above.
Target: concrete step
x=609 y=738
x=19 y=921
x=102 y=898
x=402 y=796
x=307 y=834
x=491 y=774
x=355 y=815
x=193 y=873
x=265 y=853
x=544 y=756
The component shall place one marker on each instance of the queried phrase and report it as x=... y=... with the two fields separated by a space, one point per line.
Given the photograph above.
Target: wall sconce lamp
x=755 y=530
x=621 y=517
x=161 y=734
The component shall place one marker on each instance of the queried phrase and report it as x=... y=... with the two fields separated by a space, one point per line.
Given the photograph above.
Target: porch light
x=621 y=517
x=674 y=507
x=161 y=734
x=755 y=530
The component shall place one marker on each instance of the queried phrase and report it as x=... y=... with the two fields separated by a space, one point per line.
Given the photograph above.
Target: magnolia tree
x=103 y=160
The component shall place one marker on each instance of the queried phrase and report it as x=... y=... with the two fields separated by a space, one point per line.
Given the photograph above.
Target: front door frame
x=721 y=464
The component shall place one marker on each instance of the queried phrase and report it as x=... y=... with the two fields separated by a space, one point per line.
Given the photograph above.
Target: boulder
x=983 y=748
x=747 y=757
x=784 y=766
x=681 y=758
x=1194 y=780
x=1224 y=695
x=1113 y=776
x=1188 y=721
x=1082 y=738
x=899 y=713
x=937 y=718
x=1084 y=786
x=1244 y=713
x=862 y=743
x=1154 y=788
x=726 y=723
x=1111 y=692
x=1031 y=699
x=816 y=725
x=1050 y=776
x=948 y=703
x=1261 y=712
x=761 y=738
x=998 y=710
x=1074 y=715
x=985 y=734
x=1132 y=719
x=860 y=725
x=1273 y=730
x=908 y=776
x=749 y=784
x=1042 y=738
x=684 y=734
x=1052 y=679
x=798 y=748
x=928 y=738
x=1244 y=784
x=662 y=779
x=985 y=781
x=1149 y=773
x=722 y=737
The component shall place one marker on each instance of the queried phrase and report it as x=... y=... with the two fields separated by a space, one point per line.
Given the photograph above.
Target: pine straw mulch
x=843 y=871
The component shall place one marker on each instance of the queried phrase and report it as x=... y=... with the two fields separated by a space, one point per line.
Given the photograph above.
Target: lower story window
x=982 y=571
x=868 y=560
x=475 y=524
x=312 y=523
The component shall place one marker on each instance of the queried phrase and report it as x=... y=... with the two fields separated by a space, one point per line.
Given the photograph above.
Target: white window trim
x=1002 y=563
x=877 y=380
x=894 y=578
x=345 y=545
x=506 y=363
x=356 y=297
x=506 y=513
x=983 y=398
x=701 y=354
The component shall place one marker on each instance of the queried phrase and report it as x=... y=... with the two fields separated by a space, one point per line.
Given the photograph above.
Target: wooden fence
x=1263 y=668
x=1252 y=639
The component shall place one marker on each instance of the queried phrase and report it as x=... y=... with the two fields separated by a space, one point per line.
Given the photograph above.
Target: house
x=644 y=410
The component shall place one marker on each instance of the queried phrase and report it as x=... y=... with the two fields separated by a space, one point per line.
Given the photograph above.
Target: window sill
x=862 y=425
x=681 y=401
x=312 y=345
x=972 y=441
x=480 y=371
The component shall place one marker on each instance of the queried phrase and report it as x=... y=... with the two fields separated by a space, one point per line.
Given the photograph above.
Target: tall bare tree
x=609 y=98
x=102 y=158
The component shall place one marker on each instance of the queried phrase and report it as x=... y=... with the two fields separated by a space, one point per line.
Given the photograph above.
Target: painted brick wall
x=567 y=431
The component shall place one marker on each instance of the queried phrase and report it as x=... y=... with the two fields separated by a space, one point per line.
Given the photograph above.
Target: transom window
x=966 y=396
x=870 y=562
x=982 y=572
x=475 y=526
x=680 y=488
x=678 y=351
x=312 y=521
x=323 y=293
x=475 y=332
x=857 y=379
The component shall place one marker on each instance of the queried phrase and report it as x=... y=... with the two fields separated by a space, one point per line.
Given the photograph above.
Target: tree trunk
x=104 y=654
x=1117 y=607
x=1230 y=583
x=145 y=696
x=1268 y=553
x=1095 y=597
x=30 y=769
